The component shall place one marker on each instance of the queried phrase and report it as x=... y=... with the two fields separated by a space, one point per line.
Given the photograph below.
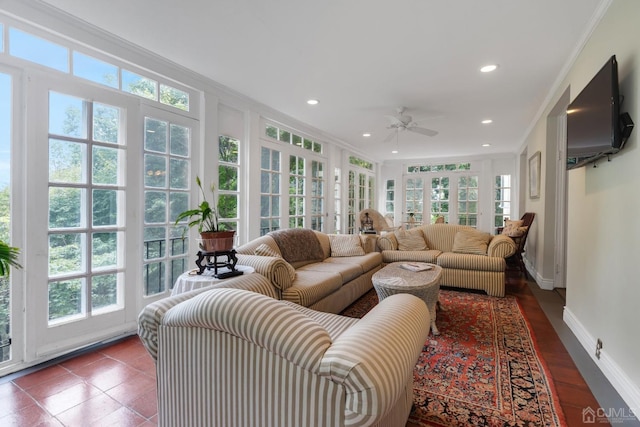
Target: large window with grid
x=337 y=197
x=270 y=177
x=468 y=200
x=351 y=203
x=317 y=195
x=228 y=183
x=414 y=200
x=501 y=201
x=390 y=198
x=297 y=195
x=87 y=157
x=167 y=188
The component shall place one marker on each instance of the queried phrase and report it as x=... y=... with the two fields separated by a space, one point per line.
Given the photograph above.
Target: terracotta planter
x=217 y=241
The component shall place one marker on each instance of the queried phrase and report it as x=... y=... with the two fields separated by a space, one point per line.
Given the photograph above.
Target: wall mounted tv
x=595 y=127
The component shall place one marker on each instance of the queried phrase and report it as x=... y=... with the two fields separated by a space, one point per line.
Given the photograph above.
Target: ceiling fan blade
x=390 y=137
x=423 y=131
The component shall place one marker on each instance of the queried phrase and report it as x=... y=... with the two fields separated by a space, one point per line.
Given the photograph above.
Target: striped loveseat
x=325 y=272
x=231 y=357
x=469 y=259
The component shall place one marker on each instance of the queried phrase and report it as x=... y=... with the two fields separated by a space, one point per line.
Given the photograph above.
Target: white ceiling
x=364 y=58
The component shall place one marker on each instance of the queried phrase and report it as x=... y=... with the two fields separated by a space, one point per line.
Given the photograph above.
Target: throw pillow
x=514 y=228
x=471 y=242
x=411 y=240
x=345 y=245
x=265 y=250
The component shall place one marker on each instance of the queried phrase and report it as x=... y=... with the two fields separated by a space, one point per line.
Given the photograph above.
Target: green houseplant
x=205 y=217
x=8 y=258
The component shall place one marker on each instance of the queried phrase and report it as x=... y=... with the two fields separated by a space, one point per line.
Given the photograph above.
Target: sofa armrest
x=150 y=317
x=388 y=242
x=375 y=358
x=275 y=269
x=265 y=322
x=501 y=246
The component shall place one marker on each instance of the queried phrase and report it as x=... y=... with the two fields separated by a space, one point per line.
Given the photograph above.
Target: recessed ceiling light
x=366 y=134
x=488 y=68
x=486 y=145
x=394 y=152
x=487 y=121
x=312 y=101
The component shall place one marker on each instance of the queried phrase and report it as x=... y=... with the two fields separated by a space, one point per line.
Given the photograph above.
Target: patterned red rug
x=483 y=368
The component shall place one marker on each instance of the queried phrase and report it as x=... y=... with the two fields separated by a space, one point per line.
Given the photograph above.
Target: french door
x=81 y=201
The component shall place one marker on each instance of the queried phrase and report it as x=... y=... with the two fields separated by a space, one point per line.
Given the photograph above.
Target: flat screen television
x=595 y=127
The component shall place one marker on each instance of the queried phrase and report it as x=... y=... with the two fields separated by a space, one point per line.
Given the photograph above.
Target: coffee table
x=394 y=279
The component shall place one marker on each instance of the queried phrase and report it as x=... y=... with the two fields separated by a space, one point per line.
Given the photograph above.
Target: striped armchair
x=229 y=357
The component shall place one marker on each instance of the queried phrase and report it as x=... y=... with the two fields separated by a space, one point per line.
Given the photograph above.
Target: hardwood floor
x=115 y=384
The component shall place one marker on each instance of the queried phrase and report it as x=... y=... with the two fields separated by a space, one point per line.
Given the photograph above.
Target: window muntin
x=284 y=135
x=167 y=148
x=270 y=193
x=86 y=208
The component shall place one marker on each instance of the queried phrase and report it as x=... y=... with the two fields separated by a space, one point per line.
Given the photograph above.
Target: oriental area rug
x=483 y=368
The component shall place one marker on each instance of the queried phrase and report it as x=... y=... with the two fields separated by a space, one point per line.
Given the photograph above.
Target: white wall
x=603 y=204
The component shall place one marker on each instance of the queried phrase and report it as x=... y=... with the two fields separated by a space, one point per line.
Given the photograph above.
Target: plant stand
x=229 y=260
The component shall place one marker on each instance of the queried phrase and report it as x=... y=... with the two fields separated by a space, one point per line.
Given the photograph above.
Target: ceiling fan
x=402 y=121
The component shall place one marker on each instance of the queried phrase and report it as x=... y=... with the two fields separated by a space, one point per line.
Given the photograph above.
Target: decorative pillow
x=265 y=250
x=514 y=228
x=411 y=240
x=471 y=242
x=345 y=245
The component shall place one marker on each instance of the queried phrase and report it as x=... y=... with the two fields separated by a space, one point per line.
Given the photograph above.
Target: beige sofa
x=325 y=272
x=233 y=357
x=469 y=258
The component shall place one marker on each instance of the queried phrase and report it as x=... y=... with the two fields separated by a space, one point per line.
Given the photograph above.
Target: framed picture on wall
x=534 y=175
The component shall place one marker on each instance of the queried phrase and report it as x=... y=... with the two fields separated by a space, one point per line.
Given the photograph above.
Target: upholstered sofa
x=325 y=272
x=232 y=357
x=469 y=258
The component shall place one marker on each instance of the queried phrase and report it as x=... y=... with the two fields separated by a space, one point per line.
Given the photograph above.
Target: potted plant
x=8 y=258
x=205 y=217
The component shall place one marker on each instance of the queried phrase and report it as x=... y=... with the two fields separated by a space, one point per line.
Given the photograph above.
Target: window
x=228 y=185
x=95 y=70
x=270 y=177
x=86 y=208
x=40 y=51
x=468 y=200
x=351 y=203
x=167 y=148
x=502 y=201
x=414 y=199
x=296 y=192
x=5 y=208
x=440 y=198
x=288 y=137
x=390 y=198
x=337 y=195
x=138 y=85
x=317 y=195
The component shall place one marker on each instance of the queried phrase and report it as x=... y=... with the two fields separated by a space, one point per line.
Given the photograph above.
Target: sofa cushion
x=470 y=262
x=311 y=286
x=471 y=242
x=514 y=228
x=299 y=246
x=347 y=271
x=420 y=256
x=345 y=245
x=367 y=262
x=265 y=250
x=410 y=240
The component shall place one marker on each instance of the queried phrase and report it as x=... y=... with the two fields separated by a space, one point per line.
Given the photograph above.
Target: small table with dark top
x=394 y=279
